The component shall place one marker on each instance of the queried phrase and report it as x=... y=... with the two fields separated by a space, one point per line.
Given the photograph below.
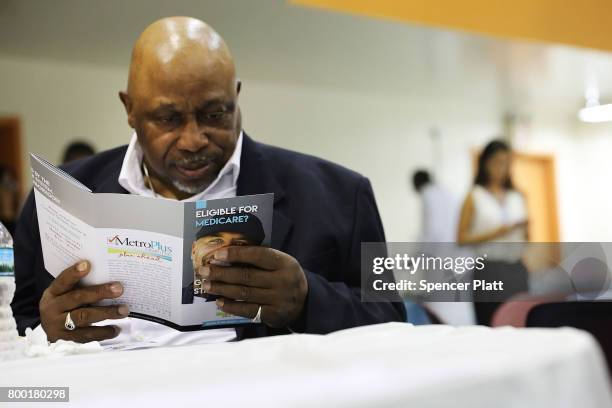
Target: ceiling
x=588 y=24
x=274 y=41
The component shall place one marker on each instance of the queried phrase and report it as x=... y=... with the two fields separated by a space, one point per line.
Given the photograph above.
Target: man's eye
x=168 y=119
x=214 y=115
x=216 y=241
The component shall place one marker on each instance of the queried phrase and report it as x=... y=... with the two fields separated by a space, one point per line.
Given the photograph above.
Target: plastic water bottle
x=9 y=339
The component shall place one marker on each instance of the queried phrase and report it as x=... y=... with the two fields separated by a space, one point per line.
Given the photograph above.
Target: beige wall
x=59 y=102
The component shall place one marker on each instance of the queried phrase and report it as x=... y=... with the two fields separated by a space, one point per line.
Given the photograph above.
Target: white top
x=418 y=366
x=143 y=333
x=491 y=213
x=440 y=214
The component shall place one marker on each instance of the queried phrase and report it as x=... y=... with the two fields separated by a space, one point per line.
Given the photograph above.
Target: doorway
x=11 y=172
x=10 y=149
x=534 y=176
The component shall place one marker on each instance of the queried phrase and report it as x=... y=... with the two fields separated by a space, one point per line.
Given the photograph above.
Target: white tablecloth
x=389 y=365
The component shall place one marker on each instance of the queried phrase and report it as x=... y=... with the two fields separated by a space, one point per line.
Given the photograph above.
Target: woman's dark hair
x=493 y=147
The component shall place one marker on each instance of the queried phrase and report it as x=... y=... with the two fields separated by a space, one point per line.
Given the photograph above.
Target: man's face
x=187 y=124
x=202 y=249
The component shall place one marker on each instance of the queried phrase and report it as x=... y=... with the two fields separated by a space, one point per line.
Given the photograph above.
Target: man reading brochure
x=182 y=102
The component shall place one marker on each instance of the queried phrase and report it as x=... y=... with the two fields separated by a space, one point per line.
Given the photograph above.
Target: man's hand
x=61 y=297
x=266 y=277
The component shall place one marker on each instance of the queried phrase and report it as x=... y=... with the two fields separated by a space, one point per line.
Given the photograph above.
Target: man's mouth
x=194 y=170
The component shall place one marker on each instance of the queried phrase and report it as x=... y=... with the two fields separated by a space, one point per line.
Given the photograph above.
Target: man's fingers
x=244 y=309
x=93 y=333
x=243 y=293
x=87 y=295
x=69 y=277
x=85 y=316
x=239 y=275
x=262 y=257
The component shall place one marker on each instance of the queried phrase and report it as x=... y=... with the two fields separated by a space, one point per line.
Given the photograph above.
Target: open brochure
x=151 y=245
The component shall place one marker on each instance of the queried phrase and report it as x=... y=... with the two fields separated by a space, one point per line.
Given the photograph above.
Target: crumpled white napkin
x=38 y=346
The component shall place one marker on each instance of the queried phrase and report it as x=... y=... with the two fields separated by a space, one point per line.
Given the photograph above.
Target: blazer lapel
x=110 y=184
x=256 y=177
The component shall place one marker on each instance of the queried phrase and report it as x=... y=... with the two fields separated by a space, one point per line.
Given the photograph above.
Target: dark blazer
x=322 y=213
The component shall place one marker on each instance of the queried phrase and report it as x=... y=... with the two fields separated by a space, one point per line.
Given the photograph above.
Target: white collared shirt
x=224 y=186
x=143 y=333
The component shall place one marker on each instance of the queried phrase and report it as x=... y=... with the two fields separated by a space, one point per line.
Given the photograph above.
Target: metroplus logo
x=154 y=246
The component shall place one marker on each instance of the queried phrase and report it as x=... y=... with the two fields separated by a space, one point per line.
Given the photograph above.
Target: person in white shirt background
x=439 y=219
x=440 y=209
x=495 y=212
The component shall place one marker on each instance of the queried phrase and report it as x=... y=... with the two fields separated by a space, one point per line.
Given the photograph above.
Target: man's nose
x=193 y=137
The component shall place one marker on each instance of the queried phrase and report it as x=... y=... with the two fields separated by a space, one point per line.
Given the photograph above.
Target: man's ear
x=127 y=104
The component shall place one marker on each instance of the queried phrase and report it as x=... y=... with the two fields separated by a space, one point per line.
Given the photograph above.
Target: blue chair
x=415 y=313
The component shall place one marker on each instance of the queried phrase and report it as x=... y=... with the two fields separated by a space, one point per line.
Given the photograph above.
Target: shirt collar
x=132 y=179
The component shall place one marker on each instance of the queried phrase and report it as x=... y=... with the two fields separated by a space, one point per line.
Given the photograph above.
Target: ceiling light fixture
x=596 y=114
x=593 y=111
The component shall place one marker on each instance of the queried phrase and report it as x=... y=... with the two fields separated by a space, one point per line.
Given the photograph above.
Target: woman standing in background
x=494 y=212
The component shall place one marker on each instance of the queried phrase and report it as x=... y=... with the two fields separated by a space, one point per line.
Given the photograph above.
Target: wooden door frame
x=13 y=126
x=549 y=159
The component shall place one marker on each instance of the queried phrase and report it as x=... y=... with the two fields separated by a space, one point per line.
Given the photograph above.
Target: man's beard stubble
x=197 y=160
x=193 y=190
